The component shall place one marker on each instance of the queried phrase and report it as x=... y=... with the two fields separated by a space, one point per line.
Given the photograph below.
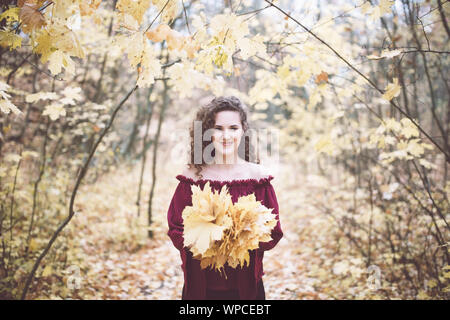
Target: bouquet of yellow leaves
x=218 y=231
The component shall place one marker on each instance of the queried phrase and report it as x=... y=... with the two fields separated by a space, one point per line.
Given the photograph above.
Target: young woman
x=229 y=165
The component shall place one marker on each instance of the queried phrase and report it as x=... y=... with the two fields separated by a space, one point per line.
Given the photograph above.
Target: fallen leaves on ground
x=113 y=258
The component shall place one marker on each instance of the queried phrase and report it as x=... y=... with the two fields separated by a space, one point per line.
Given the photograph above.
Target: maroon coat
x=248 y=277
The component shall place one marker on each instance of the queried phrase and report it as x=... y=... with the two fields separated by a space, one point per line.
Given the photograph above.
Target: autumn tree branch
x=445 y=152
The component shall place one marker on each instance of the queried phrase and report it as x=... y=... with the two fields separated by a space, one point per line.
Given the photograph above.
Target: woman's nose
x=226 y=134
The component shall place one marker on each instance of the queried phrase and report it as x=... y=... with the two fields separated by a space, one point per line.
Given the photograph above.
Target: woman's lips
x=227 y=144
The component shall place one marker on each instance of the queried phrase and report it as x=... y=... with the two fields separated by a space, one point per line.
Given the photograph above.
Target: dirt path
x=117 y=261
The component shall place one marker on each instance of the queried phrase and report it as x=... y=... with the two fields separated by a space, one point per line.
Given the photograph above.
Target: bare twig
x=40 y=70
x=159 y=13
x=186 y=17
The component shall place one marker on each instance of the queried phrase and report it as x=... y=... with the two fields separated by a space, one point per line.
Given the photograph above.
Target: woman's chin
x=226 y=153
x=225 y=149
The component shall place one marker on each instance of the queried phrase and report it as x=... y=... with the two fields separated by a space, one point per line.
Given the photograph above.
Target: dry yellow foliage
x=206 y=219
x=31 y=17
x=219 y=232
x=134 y=8
x=175 y=40
x=392 y=90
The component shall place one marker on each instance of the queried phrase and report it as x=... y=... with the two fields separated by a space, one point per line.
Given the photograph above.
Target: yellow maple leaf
x=409 y=128
x=229 y=25
x=392 y=124
x=43 y=45
x=127 y=21
x=87 y=8
x=283 y=71
x=427 y=164
x=190 y=46
x=385 y=6
x=12 y=14
x=33 y=245
x=31 y=17
x=140 y=52
x=323 y=76
x=43 y=95
x=47 y=271
x=135 y=48
x=59 y=59
x=382 y=8
x=227 y=32
x=174 y=39
x=385 y=54
x=159 y=34
x=415 y=148
x=366 y=7
x=184 y=78
x=220 y=232
x=150 y=64
x=6 y=106
x=392 y=90
x=252 y=223
x=54 y=111
x=10 y=40
x=251 y=46
x=72 y=94
x=324 y=144
x=135 y=8
x=170 y=11
x=205 y=220
x=302 y=76
x=66 y=40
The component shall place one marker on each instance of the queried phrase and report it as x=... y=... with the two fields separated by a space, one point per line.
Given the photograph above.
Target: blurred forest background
x=96 y=98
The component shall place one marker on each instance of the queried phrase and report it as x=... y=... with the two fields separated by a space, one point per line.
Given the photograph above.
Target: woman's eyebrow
x=233 y=125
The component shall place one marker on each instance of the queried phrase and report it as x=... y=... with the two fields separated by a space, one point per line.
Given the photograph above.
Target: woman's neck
x=219 y=166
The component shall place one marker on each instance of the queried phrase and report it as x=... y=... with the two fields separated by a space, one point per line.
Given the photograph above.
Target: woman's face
x=227 y=133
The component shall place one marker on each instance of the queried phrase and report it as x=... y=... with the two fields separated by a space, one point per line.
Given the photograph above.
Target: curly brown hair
x=207 y=115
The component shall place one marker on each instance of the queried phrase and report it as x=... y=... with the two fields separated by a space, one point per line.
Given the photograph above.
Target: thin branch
x=424 y=33
x=159 y=13
x=40 y=70
x=338 y=16
x=186 y=17
x=431 y=10
x=17 y=68
x=443 y=17
x=16 y=28
x=425 y=51
x=254 y=11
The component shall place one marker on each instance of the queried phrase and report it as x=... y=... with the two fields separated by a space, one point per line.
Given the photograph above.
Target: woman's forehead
x=228 y=117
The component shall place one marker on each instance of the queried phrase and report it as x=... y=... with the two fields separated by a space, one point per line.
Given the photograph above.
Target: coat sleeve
x=181 y=198
x=270 y=201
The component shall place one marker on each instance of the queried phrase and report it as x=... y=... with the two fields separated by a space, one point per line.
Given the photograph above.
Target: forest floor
x=112 y=257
